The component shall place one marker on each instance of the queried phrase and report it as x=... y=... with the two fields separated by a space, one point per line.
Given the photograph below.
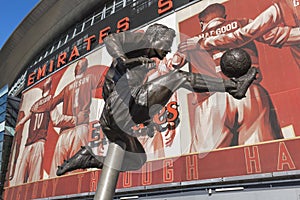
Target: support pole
x=110 y=171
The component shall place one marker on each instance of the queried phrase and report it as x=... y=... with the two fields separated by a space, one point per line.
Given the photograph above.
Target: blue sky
x=12 y=12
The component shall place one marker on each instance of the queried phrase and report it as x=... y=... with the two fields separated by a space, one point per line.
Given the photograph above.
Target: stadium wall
x=199 y=152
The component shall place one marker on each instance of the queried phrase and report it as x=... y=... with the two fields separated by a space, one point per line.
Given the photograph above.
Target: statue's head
x=161 y=39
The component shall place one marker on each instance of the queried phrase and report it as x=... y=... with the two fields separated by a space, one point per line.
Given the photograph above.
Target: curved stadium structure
x=205 y=145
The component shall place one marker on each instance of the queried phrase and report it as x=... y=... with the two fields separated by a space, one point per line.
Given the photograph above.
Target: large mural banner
x=218 y=120
x=57 y=120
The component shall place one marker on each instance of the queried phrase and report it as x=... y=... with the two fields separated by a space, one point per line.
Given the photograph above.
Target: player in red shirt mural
x=276 y=26
x=76 y=99
x=31 y=160
x=12 y=170
x=219 y=119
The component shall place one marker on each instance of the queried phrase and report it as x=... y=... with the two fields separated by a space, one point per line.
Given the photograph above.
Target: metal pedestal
x=110 y=172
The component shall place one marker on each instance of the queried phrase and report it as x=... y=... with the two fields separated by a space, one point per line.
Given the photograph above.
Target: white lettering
x=38 y=120
x=226 y=28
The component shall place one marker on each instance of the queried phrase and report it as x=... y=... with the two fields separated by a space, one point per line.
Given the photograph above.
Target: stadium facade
x=205 y=145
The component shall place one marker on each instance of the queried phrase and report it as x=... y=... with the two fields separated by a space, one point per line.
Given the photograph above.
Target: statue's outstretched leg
x=160 y=90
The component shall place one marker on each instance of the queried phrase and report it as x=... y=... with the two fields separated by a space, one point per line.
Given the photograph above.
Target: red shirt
x=77 y=96
x=39 y=120
x=208 y=63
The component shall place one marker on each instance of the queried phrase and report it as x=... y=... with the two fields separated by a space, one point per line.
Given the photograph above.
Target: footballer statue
x=130 y=101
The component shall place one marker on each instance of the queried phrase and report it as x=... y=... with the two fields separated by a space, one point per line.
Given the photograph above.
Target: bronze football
x=235 y=62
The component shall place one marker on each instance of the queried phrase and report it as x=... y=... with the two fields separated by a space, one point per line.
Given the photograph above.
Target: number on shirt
x=76 y=98
x=38 y=120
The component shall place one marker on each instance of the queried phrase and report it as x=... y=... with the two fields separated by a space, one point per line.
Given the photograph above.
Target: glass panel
x=2 y=116
x=3 y=99
x=2 y=108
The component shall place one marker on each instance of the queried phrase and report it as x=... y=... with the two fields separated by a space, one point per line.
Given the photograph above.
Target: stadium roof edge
x=43 y=24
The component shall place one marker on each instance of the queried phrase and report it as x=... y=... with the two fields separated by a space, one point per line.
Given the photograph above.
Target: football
x=235 y=63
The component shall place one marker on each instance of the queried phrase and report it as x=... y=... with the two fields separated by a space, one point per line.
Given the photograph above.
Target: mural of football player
x=129 y=101
x=266 y=25
x=76 y=98
x=31 y=160
x=219 y=119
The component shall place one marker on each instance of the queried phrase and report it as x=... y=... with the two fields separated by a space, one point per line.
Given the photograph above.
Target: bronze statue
x=130 y=101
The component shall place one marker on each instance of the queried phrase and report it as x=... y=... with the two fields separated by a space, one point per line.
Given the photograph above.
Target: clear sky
x=12 y=12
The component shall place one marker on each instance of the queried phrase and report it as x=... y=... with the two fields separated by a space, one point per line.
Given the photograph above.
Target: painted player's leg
x=15 y=152
x=210 y=129
x=78 y=150
x=257 y=121
x=60 y=152
x=154 y=146
x=79 y=138
x=76 y=138
x=22 y=173
x=36 y=162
